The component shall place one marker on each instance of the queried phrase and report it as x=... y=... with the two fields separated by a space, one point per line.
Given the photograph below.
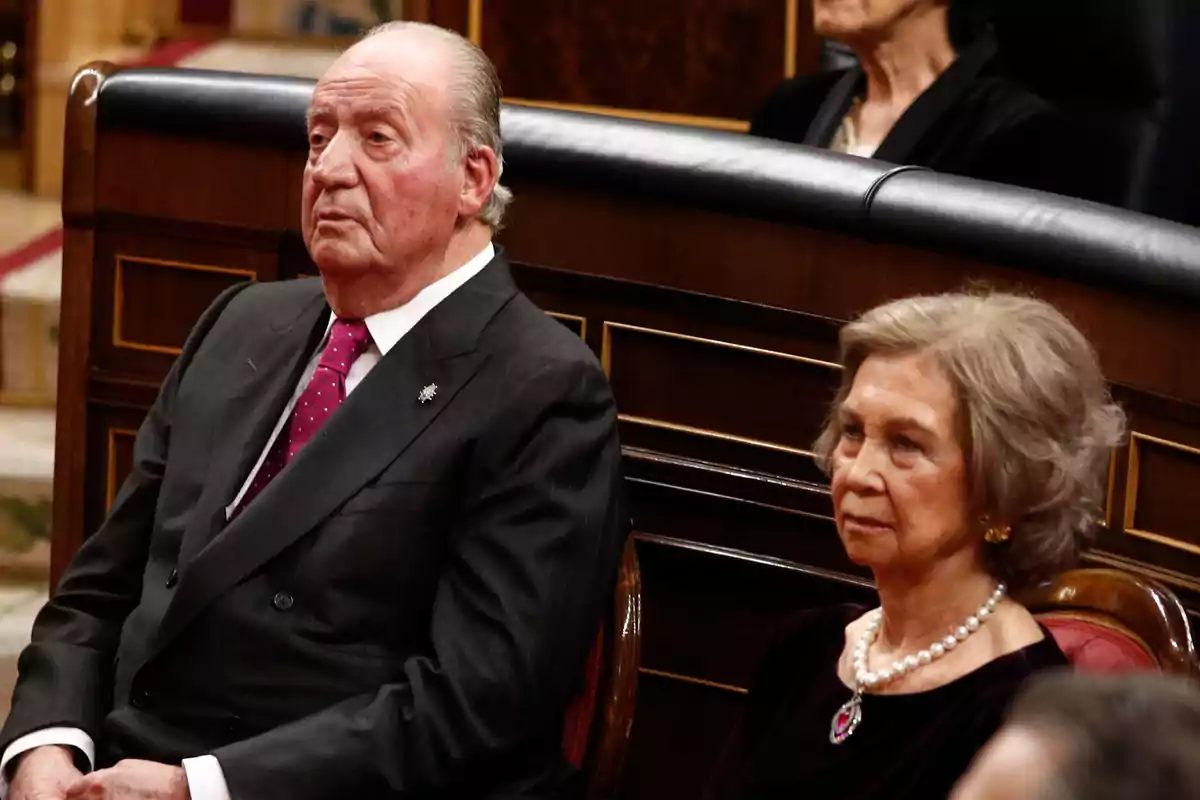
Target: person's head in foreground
x=1093 y=737
x=404 y=161
x=967 y=449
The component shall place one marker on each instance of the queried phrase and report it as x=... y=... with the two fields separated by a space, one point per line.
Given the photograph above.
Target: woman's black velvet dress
x=907 y=745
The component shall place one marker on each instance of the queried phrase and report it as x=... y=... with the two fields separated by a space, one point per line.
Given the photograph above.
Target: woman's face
x=899 y=480
x=850 y=19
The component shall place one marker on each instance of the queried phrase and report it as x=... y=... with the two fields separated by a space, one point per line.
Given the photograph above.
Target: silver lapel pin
x=427 y=393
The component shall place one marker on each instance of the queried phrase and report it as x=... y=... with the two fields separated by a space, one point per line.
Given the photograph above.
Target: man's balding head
x=472 y=89
x=404 y=161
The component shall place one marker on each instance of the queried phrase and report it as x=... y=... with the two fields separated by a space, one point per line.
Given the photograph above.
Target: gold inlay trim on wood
x=1132 y=476
x=606 y=357
x=1111 y=495
x=118 y=336
x=790 y=44
x=674 y=676
x=475 y=22
x=711 y=434
x=609 y=327
x=716 y=123
x=582 y=321
x=110 y=492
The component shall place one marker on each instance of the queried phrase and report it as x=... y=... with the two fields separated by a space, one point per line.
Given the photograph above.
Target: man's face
x=1017 y=764
x=381 y=189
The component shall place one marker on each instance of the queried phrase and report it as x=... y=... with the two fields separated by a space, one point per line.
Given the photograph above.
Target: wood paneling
x=221 y=198
x=154 y=309
x=153 y=282
x=111 y=433
x=1161 y=501
x=718 y=331
x=120 y=460
x=452 y=14
x=709 y=615
x=657 y=372
x=710 y=58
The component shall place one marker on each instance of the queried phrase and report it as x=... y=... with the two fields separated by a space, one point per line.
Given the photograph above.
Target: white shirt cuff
x=206 y=779
x=67 y=737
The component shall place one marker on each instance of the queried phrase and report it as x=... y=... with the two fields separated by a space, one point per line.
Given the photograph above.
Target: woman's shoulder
x=789 y=110
x=1003 y=101
x=1001 y=679
x=806 y=639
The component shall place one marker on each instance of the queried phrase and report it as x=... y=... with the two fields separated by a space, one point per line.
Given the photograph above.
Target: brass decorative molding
x=674 y=676
x=609 y=327
x=475 y=22
x=791 y=15
x=1112 y=485
x=716 y=123
x=118 y=337
x=1132 y=476
x=643 y=454
x=578 y=320
x=111 y=478
x=676 y=427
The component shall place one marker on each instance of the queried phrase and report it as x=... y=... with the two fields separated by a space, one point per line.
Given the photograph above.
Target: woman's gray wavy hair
x=475 y=105
x=1035 y=418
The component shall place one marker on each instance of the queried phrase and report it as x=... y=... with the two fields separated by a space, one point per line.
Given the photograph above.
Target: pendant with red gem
x=846 y=719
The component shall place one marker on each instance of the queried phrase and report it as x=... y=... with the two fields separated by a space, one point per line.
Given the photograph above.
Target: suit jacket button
x=140 y=698
x=173 y=579
x=283 y=601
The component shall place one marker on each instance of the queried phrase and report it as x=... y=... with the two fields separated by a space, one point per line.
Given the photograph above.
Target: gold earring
x=997 y=534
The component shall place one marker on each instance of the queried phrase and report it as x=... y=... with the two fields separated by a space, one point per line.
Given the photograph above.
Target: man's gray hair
x=1122 y=736
x=475 y=105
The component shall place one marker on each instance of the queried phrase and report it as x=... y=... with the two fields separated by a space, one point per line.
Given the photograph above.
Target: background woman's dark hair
x=967 y=21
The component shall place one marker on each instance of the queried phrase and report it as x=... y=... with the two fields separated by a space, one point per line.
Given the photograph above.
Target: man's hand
x=44 y=773
x=132 y=780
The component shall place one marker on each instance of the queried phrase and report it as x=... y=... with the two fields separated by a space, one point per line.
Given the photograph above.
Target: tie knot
x=348 y=338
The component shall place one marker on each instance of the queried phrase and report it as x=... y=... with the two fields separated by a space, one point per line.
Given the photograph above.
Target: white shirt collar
x=389 y=327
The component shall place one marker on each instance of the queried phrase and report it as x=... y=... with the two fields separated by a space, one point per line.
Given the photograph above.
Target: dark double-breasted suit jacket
x=403 y=612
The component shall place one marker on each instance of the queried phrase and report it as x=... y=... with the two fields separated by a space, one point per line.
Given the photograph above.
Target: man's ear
x=481 y=171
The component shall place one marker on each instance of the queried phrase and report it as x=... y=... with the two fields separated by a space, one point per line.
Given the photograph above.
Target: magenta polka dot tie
x=348 y=339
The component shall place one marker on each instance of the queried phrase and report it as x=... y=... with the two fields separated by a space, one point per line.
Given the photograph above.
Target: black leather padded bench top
x=726 y=172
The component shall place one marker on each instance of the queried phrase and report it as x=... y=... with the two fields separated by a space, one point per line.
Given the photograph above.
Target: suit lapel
x=837 y=103
x=371 y=428
x=260 y=387
x=935 y=102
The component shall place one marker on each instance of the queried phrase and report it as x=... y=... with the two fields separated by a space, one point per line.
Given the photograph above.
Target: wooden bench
x=709 y=271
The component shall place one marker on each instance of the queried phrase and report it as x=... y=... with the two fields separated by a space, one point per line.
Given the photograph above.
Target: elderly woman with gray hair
x=967 y=450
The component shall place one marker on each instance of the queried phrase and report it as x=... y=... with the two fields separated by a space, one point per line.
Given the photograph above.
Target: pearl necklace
x=847 y=718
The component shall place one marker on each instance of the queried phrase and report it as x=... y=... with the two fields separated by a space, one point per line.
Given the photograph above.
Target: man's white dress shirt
x=206 y=781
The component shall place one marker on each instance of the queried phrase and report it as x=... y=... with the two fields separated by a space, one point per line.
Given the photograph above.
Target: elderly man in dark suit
x=372 y=520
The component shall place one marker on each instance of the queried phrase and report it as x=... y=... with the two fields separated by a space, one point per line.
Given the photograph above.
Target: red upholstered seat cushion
x=577 y=726
x=1093 y=646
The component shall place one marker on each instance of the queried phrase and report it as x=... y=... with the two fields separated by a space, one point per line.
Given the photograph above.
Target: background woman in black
x=930 y=89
